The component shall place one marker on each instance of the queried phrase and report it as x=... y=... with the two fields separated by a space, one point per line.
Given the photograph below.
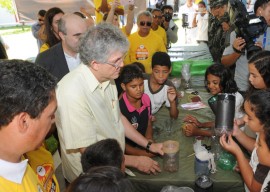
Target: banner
x=27 y=9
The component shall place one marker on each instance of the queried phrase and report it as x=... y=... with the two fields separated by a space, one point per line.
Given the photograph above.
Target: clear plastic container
x=171 y=156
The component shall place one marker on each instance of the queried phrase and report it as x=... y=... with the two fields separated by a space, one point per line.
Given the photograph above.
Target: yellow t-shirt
x=41 y=161
x=99 y=14
x=141 y=49
x=162 y=33
x=29 y=183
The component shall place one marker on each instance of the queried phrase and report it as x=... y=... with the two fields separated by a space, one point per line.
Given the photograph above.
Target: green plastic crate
x=198 y=67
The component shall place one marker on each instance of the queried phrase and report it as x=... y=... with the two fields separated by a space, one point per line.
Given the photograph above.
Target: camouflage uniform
x=217 y=38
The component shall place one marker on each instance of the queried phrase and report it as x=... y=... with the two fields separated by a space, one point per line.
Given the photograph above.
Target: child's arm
x=194 y=120
x=245 y=168
x=191 y=129
x=246 y=141
x=129 y=150
x=172 y=95
x=263 y=151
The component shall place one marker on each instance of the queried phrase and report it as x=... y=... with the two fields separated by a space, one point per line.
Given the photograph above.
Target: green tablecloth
x=224 y=181
x=197 y=67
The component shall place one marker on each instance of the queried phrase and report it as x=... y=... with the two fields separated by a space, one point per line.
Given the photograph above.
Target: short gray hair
x=145 y=13
x=99 y=42
x=62 y=25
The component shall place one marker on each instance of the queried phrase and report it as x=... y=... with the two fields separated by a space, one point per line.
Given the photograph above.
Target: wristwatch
x=148 y=146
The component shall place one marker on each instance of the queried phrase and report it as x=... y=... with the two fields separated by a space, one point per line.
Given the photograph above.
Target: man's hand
x=172 y=94
x=165 y=24
x=239 y=43
x=147 y=165
x=225 y=26
x=157 y=148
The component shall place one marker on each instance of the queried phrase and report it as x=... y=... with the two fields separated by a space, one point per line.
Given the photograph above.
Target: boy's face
x=134 y=89
x=160 y=73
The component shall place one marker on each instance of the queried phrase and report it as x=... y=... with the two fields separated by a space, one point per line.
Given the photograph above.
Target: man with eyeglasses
x=64 y=57
x=144 y=43
x=88 y=107
x=38 y=28
x=156 y=25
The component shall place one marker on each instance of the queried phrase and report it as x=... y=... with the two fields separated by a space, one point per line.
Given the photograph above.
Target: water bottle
x=225 y=113
x=203 y=184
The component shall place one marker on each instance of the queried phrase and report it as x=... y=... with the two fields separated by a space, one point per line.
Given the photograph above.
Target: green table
x=227 y=181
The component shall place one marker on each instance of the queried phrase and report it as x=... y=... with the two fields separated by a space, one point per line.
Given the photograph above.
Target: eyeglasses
x=117 y=63
x=156 y=16
x=143 y=23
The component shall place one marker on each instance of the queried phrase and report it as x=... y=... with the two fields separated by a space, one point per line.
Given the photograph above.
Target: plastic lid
x=170 y=146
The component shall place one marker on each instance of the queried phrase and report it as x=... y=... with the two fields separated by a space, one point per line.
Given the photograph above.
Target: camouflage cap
x=217 y=3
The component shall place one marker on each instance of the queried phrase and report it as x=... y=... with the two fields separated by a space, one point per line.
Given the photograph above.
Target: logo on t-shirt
x=142 y=53
x=45 y=174
x=134 y=122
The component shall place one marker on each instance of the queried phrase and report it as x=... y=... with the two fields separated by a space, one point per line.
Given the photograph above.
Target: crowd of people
x=97 y=86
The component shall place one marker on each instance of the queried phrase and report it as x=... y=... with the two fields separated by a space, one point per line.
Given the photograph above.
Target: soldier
x=219 y=28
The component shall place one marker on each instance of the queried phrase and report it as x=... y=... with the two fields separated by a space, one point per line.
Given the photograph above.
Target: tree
x=7 y=4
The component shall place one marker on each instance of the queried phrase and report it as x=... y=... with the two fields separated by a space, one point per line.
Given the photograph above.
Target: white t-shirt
x=202 y=27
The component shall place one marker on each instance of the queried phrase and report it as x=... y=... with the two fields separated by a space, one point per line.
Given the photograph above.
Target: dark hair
x=162 y=59
x=259 y=3
x=260 y=105
x=130 y=72
x=51 y=39
x=227 y=83
x=149 y=9
x=102 y=153
x=155 y=9
x=166 y=7
x=105 y=16
x=42 y=12
x=101 y=179
x=24 y=87
x=261 y=61
x=79 y=14
x=140 y=65
x=203 y=3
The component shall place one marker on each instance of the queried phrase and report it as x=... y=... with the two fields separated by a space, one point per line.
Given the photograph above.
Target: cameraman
x=236 y=53
x=218 y=28
x=169 y=26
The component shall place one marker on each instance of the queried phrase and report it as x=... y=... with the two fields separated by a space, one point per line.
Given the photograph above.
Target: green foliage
x=7 y=4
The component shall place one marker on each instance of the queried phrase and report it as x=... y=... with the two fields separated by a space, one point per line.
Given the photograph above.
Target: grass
x=14 y=30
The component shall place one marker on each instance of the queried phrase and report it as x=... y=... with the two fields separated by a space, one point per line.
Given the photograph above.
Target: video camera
x=248 y=26
x=185 y=23
x=167 y=17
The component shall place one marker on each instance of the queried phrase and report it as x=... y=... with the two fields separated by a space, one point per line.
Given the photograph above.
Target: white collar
x=77 y=56
x=13 y=171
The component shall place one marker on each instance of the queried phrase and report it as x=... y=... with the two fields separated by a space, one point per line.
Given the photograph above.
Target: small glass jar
x=171 y=156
